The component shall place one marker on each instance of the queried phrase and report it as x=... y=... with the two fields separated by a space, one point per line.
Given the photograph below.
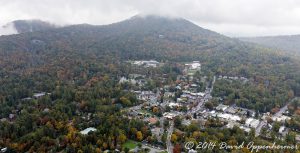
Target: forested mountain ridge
x=149 y=37
x=289 y=43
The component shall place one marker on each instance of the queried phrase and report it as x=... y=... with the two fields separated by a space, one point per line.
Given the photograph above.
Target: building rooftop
x=87 y=130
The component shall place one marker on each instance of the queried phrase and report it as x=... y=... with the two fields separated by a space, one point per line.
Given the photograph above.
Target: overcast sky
x=229 y=17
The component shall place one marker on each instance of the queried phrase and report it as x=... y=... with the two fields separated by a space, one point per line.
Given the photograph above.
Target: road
x=206 y=98
x=278 y=114
x=169 y=143
x=153 y=149
x=283 y=109
x=258 y=129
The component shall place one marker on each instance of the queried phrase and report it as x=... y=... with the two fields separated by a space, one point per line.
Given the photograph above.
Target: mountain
x=290 y=43
x=8 y=29
x=23 y=26
x=149 y=37
x=137 y=37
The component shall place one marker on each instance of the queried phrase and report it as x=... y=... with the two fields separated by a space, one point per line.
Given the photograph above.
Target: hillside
x=290 y=43
x=81 y=47
x=24 y=26
x=148 y=37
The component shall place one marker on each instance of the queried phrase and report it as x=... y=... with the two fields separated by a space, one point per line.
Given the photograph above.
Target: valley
x=145 y=84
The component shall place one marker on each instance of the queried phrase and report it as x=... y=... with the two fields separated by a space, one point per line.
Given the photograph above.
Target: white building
x=252 y=123
x=87 y=130
x=151 y=63
x=229 y=117
x=221 y=107
x=281 y=118
x=194 y=65
x=174 y=105
x=281 y=129
x=4 y=149
x=246 y=129
x=39 y=95
x=169 y=115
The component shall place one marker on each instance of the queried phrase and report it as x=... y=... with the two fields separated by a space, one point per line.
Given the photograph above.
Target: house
x=39 y=95
x=186 y=122
x=124 y=80
x=228 y=117
x=283 y=131
x=230 y=125
x=194 y=65
x=174 y=105
x=242 y=112
x=146 y=95
x=152 y=120
x=231 y=110
x=26 y=99
x=281 y=118
x=157 y=131
x=168 y=115
x=87 y=130
x=169 y=94
x=221 y=107
x=11 y=116
x=3 y=150
x=252 y=123
x=192 y=151
x=151 y=63
x=246 y=129
x=297 y=138
x=3 y=119
x=46 y=110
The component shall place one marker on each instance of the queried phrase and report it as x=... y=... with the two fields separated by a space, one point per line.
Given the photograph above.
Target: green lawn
x=129 y=144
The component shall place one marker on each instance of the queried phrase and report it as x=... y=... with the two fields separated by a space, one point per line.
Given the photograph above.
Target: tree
x=195 y=116
x=168 y=108
x=139 y=136
x=126 y=149
x=291 y=138
x=155 y=110
x=173 y=138
x=125 y=101
x=209 y=105
x=98 y=150
x=276 y=126
x=177 y=121
x=122 y=138
x=177 y=148
x=166 y=123
x=139 y=145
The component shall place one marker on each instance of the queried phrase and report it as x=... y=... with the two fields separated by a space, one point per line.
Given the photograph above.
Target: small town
x=186 y=102
x=160 y=107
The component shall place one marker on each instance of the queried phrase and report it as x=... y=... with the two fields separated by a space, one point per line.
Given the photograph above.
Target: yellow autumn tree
x=173 y=138
x=122 y=138
x=139 y=135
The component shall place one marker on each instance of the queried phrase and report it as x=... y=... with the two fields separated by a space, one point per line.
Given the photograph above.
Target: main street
x=204 y=99
x=169 y=143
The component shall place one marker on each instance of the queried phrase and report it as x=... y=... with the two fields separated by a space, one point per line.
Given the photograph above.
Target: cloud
x=233 y=18
x=8 y=29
